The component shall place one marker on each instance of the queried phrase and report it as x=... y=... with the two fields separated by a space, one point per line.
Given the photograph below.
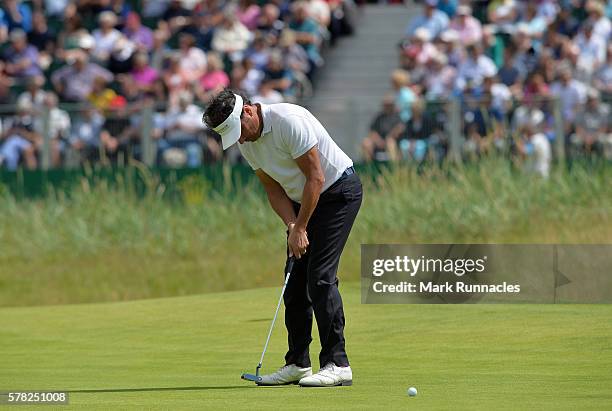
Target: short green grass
x=189 y=352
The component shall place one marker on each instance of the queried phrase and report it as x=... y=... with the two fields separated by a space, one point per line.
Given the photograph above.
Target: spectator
x=41 y=37
x=34 y=94
x=420 y=47
x=55 y=8
x=295 y=57
x=548 y=10
x=307 y=34
x=508 y=73
x=140 y=35
x=5 y=84
x=101 y=97
x=86 y=134
x=16 y=14
x=432 y=19
x=19 y=140
x=214 y=80
x=269 y=23
x=143 y=76
x=258 y=52
x=154 y=9
x=21 y=58
x=570 y=92
x=404 y=96
x=592 y=51
x=160 y=51
x=603 y=78
x=537 y=147
x=449 y=45
x=251 y=77
x=535 y=23
x=59 y=127
x=231 y=38
x=469 y=28
x=175 y=80
x=72 y=33
x=526 y=54
x=192 y=59
x=106 y=36
x=184 y=129
x=592 y=125
x=524 y=113
x=602 y=27
x=121 y=9
x=320 y=11
x=535 y=86
x=565 y=23
x=267 y=94
x=277 y=76
x=120 y=58
x=449 y=7
x=503 y=13
x=374 y=146
x=440 y=77
x=475 y=67
x=493 y=45
x=176 y=15
x=247 y=13
x=74 y=82
x=409 y=140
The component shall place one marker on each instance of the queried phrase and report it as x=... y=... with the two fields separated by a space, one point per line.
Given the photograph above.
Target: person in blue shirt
x=16 y=15
x=449 y=7
x=434 y=20
x=308 y=34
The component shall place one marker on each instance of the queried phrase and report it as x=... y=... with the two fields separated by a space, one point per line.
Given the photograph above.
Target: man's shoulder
x=284 y=111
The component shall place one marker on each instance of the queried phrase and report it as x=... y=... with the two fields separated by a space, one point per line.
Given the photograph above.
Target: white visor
x=230 y=128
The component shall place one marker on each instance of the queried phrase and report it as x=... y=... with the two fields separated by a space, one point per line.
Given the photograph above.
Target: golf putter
x=256 y=377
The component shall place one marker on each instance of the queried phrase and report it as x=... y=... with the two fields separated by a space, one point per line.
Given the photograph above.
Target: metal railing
x=456 y=129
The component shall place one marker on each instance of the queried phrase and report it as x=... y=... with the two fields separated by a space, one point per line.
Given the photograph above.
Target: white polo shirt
x=288 y=132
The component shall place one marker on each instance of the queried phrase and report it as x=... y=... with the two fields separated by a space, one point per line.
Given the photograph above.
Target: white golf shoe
x=329 y=376
x=289 y=374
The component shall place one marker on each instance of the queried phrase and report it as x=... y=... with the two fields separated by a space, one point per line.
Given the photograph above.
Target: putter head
x=250 y=377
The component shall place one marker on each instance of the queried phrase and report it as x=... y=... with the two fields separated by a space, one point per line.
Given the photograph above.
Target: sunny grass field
x=188 y=353
x=106 y=243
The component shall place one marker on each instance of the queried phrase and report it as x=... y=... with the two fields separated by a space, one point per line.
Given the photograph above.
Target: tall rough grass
x=106 y=242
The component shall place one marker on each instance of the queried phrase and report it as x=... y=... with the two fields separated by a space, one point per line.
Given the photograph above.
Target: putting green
x=189 y=352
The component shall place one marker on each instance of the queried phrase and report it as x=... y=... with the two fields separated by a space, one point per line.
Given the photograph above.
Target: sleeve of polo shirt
x=298 y=134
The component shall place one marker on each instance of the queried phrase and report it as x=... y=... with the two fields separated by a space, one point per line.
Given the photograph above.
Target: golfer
x=312 y=186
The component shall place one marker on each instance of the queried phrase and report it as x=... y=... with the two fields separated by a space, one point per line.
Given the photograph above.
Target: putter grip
x=289 y=265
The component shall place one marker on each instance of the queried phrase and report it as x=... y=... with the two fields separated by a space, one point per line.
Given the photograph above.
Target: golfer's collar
x=265 y=116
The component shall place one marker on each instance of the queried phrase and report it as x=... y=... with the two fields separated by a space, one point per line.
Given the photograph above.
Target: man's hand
x=297 y=241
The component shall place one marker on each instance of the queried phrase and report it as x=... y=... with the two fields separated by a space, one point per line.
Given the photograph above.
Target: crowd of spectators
x=87 y=71
x=505 y=62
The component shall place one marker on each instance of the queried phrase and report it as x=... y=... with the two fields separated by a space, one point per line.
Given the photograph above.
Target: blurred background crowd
x=84 y=79
x=526 y=75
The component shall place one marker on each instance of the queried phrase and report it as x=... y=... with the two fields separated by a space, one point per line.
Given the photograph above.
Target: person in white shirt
x=106 y=36
x=475 y=67
x=538 y=150
x=312 y=186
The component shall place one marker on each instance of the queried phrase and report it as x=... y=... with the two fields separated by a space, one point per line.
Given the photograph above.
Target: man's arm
x=310 y=164
x=277 y=197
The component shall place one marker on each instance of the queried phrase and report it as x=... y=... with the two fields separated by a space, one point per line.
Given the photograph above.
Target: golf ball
x=412 y=392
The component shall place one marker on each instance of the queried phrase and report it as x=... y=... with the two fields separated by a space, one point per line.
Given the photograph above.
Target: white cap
x=230 y=128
